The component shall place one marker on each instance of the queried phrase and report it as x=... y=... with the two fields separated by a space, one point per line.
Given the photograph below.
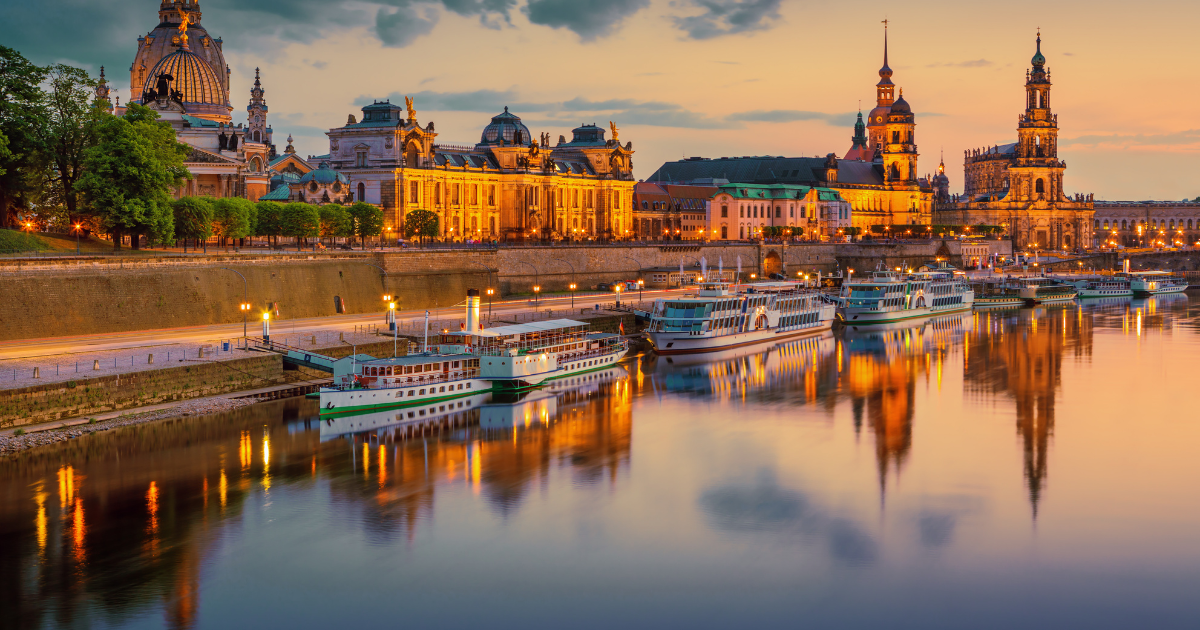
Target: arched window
x=362 y=191
x=1124 y=225
x=1039 y=186
x=1097 y=222
x=1189 y=224
x=724 y=211
x=645 y=206
x=492 y=225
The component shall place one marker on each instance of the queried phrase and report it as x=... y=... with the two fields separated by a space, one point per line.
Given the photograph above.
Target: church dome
x=194 y=78
x=507 y=129
x=324 y=176
x=901 y=106
x=1039 y=59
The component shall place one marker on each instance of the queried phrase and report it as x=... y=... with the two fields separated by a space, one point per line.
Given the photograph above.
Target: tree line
x=66 y=160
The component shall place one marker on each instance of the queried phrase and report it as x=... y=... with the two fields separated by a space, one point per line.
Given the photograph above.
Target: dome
x=506 y=128
x=324 y=176
x=194 y=79
x=901 y=106
x=1039 y=59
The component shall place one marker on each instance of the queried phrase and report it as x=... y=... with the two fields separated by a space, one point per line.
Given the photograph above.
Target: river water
x=1019 y=468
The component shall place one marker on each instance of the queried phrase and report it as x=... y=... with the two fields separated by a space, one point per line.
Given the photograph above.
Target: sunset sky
x=697 y=77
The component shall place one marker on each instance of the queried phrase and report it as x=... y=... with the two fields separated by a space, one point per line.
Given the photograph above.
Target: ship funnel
x=472 y=311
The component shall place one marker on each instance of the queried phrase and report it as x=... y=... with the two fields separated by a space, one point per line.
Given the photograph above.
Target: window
x=492 y=225
x=437 y=193
x=724 y=232
x=414 y=193
x=742 y=212
x=492 y=195
x=895 y=137
x=362 y=192
x=645 y=205
x=1040 y=186
x=778 y=212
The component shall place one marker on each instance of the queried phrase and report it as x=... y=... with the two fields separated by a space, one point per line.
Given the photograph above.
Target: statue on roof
x=408 y=103
x=185 y=19
x=616 y=136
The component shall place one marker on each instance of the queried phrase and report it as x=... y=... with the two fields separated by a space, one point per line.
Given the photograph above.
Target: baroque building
x=1146 y=223
x=179 y=71
x=877 y=176
x=510 y=185
x=1019 y=186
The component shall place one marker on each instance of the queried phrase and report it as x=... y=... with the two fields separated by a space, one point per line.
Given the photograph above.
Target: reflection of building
x=880 y=375
x=1019 y=186
x=1028 y=367
x=509 y=185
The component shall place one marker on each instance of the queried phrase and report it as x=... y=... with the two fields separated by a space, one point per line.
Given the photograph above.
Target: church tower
x=900 y=143
x=859 y=149
x=1037 y=173
x=885 y=95
x=256 y=114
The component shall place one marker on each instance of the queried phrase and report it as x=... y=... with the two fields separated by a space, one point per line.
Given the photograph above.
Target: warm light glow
x=266 y=316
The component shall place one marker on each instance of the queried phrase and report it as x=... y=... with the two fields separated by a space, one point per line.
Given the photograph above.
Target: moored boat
x=1156 y=282
x=1043 y=290
x=881 y=298
x=722 y=316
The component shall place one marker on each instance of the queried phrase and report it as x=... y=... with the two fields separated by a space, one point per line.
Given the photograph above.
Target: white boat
x=1103 y=286
x=473 y=361
x=1043 y=290
x=883 y=297
x=1156 y=282
x=723 y=316
x=945 y=291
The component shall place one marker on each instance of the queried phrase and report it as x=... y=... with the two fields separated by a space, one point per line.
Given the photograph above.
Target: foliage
x=5 y=154
x=368 y=220
x=69 y=129
x=193 y=217
x=22 y=107
x=231 y=217
x=268 y=218
x=420 y=223
x=335 y=222
x=130 y=172
x=301 y=221
x=775 y=231
x=852 y=231
x=12 y=240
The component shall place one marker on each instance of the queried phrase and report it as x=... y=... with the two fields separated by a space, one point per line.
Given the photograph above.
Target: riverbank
x=11 y=443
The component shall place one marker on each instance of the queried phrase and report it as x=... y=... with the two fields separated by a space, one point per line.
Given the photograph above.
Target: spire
x=885 y=73
x=1039 y=59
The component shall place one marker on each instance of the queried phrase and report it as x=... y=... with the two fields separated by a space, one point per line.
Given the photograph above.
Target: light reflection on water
x=1025 y=466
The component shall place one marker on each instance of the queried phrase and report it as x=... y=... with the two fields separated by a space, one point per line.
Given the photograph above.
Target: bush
x=19 y=432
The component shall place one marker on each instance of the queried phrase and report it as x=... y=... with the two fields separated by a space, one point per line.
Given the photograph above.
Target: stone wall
x=53 y=298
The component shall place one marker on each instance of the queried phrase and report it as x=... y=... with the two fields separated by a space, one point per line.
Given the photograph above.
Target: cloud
x=625 y=111
x=402 y=26
x=590 y=19
x=1188 y=138
x=728 y=17
x=791 y=115
x=977 y=63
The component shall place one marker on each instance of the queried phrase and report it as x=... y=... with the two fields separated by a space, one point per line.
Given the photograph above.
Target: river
x=1017 y=468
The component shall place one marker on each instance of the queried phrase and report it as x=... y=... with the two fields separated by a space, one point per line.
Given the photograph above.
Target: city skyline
x=685 y=79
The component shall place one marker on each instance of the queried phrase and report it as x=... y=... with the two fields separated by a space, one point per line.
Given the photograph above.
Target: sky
x=705 y=78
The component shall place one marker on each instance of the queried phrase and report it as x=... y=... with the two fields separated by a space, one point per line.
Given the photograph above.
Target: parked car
x=778 y=276
x=604 y=286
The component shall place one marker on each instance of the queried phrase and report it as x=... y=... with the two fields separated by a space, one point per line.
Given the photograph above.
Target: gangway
x=298 y=356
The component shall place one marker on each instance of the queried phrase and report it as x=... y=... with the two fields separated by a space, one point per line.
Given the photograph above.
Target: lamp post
x=536 y=291
x=395 y=330
x=245 y=296
x=490 y=293
x=617 y=290
x=245 y=313
x=77 y=229
x=391 y=301
x=641 y=286
x=267 y=327
x=573 y=286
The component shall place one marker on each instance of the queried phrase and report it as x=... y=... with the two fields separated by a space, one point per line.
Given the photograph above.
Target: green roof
x=777 y=191
x=281 y=193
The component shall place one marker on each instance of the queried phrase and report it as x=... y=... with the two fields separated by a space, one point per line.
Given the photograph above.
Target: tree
x=69 y=130
x=22 y=109
x=193 y=218
x=368 y=220
x=420 y=223
x=301 y=221
x=231 y=217
x=335 y=222
x=136 y=157
x=268 y=219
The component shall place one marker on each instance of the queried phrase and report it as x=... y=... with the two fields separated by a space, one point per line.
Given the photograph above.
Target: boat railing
x=405 y=380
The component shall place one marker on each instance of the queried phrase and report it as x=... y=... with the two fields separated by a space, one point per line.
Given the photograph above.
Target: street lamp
x=617 y=290
x=391 y=299
x=77 y=230
x=267 y=327
x=245 y=313
x=573 y=286
x=641 y=286
x=536 y=290
x=395 y=329
x=490 y=293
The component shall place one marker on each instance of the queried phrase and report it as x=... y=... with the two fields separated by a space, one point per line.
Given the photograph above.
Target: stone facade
x=1019 y=186
x=1146 y=223
x=508 y=186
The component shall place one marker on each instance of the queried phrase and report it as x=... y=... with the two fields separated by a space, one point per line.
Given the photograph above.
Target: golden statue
x=412 y=113
x=612 y=125
x=185 y=19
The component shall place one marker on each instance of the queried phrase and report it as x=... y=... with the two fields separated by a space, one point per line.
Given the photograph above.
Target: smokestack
x=472 y=310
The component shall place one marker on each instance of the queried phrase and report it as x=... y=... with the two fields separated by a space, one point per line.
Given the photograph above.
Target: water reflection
x=745 y=461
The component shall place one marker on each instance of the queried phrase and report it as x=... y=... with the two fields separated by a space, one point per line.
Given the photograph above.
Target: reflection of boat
x=452 y=413
x=723 y=316
x=952 y=325
x=742 y=369
x=1156 y=282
